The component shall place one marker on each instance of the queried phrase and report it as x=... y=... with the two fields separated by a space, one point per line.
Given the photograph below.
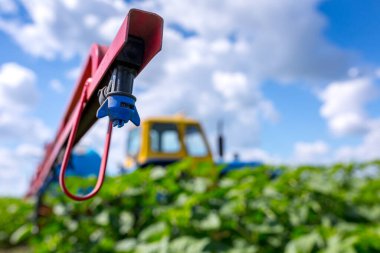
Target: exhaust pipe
x=220 y=140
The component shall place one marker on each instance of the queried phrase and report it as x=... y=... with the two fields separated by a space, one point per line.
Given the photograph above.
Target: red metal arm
x=141 y=24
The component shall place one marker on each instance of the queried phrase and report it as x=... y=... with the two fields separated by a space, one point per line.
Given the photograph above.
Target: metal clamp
x=70 y=144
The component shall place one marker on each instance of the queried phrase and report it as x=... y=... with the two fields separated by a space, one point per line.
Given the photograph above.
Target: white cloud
x=56 y=86
x=230 y=85
x=70 y=4
x=109 y=28
x=18 y=95
x=63 y=28
x=368 y=149
x=90 y=20
x=21 y=135
x=18 y=163
x=74 y=73
x=344 y=105
x=283 y=40
x=377 y=73
x=310 y=152
x=17 y=87
x=255 y=154
x=16 y=167
x=287 y=47
x=19 y=127
x=8 y=6
x=26 y=150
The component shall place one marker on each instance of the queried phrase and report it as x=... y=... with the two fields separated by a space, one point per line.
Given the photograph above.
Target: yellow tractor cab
x=164 y=140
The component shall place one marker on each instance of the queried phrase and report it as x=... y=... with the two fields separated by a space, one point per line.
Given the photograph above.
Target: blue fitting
x=120 y=110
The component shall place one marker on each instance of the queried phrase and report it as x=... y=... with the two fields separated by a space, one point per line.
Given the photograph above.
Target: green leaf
x=211 y=222
x=155 y=247
x=125 y=245
x=103 y=218
x=304 y=244
x=126 y=222
x=154 y=232
x=188 y=244
x=157 y=173
x=97 y=235
x=21 y=234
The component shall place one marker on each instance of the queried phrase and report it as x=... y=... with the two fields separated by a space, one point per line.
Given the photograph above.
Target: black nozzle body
x=121 y=83
x=124 y=70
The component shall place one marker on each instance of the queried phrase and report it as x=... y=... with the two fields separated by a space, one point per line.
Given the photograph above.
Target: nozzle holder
x=116 y=99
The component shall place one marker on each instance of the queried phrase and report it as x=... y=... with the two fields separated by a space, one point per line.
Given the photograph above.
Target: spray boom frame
x=100 y=82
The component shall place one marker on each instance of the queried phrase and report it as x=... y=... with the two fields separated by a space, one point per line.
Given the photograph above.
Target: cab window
x=133 y=143
x=194 y=141
x=164 y=138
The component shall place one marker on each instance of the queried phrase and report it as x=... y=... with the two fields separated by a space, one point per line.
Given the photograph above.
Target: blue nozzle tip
x=118 y=122
x=120 y=110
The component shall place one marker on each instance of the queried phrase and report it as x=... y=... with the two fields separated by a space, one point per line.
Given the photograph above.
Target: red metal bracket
x=70 y=144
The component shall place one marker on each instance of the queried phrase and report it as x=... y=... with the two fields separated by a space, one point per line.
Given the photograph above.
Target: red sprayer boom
x=106 y=79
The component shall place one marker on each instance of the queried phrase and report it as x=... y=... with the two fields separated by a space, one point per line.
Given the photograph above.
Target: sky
x=295 y=82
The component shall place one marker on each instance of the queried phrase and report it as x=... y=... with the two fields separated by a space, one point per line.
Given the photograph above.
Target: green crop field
x=184 y=209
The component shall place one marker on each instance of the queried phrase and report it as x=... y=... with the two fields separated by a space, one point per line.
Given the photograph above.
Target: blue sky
x=295 y=82
x=354 y=25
